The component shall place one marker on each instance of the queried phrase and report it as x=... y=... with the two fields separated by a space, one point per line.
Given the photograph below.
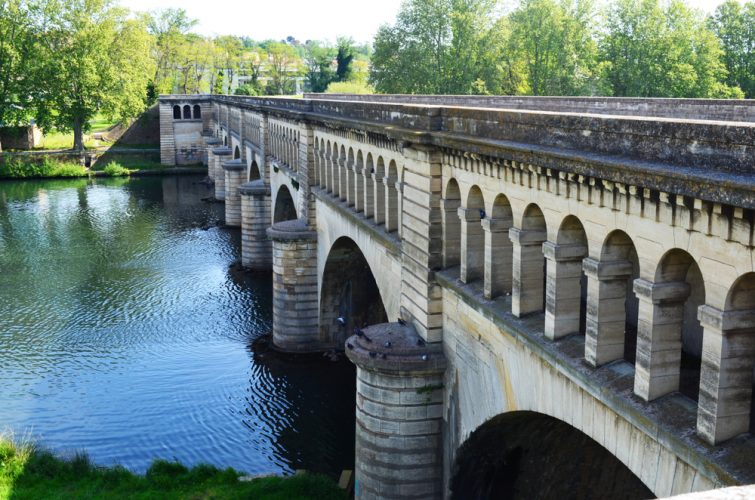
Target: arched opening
x=285 y=209
x=566 y=284
x=379 y=191
x=254 y=171
x=528 y=288
x=620 y=255
x=236 y=153
x=176 y=112
x=393 y=218
x=197 y=112
x=451 y=225
x=187 y=112
x=498 y=248
x=225 y=140
x=741 y=301
x=524 y=455
x=472 y=237
x=349 y=297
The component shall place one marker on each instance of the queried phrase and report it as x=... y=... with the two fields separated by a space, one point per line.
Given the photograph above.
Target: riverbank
x=47 y=167
x=28 y=472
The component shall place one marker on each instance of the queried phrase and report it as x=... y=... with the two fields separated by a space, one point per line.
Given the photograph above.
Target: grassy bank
x=27 y=472
x=47 y=167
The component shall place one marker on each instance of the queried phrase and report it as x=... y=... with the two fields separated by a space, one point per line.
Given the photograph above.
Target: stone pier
x=256 y=248
x=219 y=155
x=234 y=171
x=295 y=305
x=399 y=413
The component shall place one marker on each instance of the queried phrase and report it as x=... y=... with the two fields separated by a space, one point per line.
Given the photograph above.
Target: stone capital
x=527 y=237
x=292 y=230
x=606 y=269
x=718 y=320
x=492 y=225
x=468 y=214
x=222 y=151
x=564 y=252
x=676 y=291
x=255 y=188
x=236 y=164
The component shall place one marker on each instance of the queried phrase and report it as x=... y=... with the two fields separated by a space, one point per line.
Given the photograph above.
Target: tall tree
x=169 y=27
x=344 y=58
x=734 y=25
x=93 y=59
x=283 y=68
x=319 y=60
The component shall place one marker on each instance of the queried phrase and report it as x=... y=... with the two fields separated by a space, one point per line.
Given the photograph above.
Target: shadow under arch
x=524 y=454
x=348 y=291
x=285 y=209
x=254 y=171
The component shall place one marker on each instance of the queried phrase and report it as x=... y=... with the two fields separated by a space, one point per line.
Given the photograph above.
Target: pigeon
x=341 y=320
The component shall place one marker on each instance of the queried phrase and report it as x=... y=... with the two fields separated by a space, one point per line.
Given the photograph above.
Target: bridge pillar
x=218 y=174
x=497 y=257
x=563 y=290
x=472 y=245
x=369 y=194
x=256 y=248
x=726 y=373
x=659 y=337
x=343 y=184
x=391 y=204
x=606 y=314
x=210 y=142
x=451 y=232
x=527 y=264
x=234 y=171
x=399 y=207
x=379 y=197
x=295 y=305
x=399 y=413
x=351 y=191
x=359 y=187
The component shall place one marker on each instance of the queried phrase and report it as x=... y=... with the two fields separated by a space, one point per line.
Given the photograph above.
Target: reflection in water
x=124 y=332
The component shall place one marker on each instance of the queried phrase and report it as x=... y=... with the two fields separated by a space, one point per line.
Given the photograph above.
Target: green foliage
x=344 y=57
x=319 y=61
x=16 y=56
x=349 y=88
x=28 y=167
x=30 y=473
x=734 y=25
x=114 y=169
x=283 y=69
x=246 y=90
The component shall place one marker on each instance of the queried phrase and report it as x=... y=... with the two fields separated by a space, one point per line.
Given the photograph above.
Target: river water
x=125 y=331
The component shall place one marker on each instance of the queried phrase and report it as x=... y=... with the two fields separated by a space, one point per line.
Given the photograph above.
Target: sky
x=302 y=19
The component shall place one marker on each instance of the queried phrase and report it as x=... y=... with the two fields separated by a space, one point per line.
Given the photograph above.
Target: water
x=126 y=332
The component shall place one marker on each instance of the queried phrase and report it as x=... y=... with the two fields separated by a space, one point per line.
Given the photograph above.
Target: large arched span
x=523 y=455
x=285 y=208
x=349 y=295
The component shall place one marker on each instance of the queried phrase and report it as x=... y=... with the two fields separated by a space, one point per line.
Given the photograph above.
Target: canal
x=127 y=331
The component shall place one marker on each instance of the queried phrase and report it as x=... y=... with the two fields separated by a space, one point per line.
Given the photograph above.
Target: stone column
x=295 y=304
x=659 y=337
x=563 y=290
x=351 y=191
x=451 y=233
x=379 y=190
x=391 y=205
x=234 y=176
x=498 y=255
x=167 y=134
x=369 y=194
x=472 y=245
x=359 y=187
x=726 y=375
x=399 y=413
x=343 y=185
x=526 y=270
x=256 y=248
x=220 y=155
x=210 y=142
x=399 y=207
x=606 y=312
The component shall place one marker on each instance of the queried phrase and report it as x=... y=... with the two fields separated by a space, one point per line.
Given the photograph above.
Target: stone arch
x=285 y=208
x=566 y=284
x=509 y=455
x=176 y=112
x=392 y=215
x=498 y=249
x=451 y=224
x=669 y=335
x=528 y=274
x=197 y=112
x=472 y=237
x=187 y=112
x=236 y=153
x=348 y=291
x=612 y=305
x=379 y=191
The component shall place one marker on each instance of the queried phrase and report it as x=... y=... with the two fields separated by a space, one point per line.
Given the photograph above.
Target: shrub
x=23 y=168
x=114 y=169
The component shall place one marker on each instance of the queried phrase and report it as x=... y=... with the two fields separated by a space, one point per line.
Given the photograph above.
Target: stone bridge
x=540 y=294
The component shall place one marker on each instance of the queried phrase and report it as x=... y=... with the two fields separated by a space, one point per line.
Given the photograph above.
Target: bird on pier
x=341 y=320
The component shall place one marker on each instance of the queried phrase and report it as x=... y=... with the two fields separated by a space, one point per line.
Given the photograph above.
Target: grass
x=64 y=140
x=28 y=472
x=20 y=168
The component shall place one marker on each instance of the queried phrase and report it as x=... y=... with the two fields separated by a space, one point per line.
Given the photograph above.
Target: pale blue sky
x=304 y=19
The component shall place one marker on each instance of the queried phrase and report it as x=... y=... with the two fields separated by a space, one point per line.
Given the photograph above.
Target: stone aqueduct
x=591 y=260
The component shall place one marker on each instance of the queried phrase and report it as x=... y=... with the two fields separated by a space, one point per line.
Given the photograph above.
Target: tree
x=319 y=60
x=344 y=57
x=169 y=27
x=16 y=56
x=734 y=25
x=93 y=58
x=283 y=69
x=657 y=52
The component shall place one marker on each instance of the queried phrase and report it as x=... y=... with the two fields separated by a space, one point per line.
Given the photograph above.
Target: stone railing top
x=394 y=348
x=222 y=151
x=257 y=187
x=237 y=164
x=291 y=230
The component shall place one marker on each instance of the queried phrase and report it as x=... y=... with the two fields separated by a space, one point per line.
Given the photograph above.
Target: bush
x=349 y=88
x=114 y=169
x=25 y=168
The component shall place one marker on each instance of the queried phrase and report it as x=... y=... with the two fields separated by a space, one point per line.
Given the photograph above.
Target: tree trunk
x=78 y=134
